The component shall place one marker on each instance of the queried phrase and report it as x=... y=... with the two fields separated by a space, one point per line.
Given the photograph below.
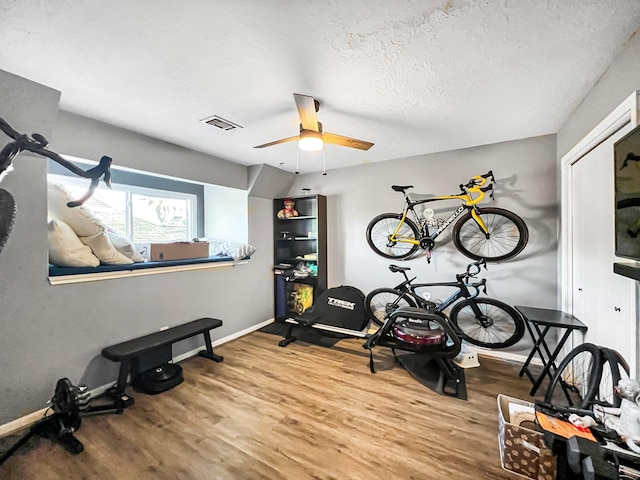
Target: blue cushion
x=55 y=271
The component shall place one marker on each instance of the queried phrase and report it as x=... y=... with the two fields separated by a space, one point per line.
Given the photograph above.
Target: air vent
x=220 y=123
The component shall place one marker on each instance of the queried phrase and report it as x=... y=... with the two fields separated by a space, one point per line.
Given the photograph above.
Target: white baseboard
x=31 y=418
x=22 y=422
x=507 y=356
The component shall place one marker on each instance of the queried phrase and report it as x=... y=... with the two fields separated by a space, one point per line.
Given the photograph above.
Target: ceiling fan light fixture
x=310 y=141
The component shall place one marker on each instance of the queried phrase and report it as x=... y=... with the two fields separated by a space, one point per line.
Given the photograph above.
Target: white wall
x=225 y=213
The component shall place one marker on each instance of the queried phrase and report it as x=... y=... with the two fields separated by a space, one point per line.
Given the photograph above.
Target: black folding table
x=539 y=322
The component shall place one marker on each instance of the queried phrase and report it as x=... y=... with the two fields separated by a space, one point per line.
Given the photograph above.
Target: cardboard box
x=160 y=252
x=523 y=451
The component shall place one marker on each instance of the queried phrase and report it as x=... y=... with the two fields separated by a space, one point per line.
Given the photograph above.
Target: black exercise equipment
x=67 y=403
x=431 y=343
x=158 y=379
x=336 y=310
x=151 y=351
x=426 y=335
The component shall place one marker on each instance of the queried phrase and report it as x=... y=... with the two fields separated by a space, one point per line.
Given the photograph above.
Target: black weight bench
x=128 y=353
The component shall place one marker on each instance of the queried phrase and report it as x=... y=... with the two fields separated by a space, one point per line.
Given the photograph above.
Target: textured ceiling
x=413 y=77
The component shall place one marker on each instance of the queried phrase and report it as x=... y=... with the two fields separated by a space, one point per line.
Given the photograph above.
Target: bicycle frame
x=474 y=186
x=463 y=291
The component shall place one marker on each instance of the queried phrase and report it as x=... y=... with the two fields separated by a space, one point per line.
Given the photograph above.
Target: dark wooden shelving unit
x=301 y=239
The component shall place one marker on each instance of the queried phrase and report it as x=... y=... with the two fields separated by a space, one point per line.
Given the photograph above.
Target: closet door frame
x=626 y=112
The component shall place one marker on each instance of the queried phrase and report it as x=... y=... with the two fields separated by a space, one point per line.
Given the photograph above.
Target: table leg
x=551 y=361
x=523 y=370
x=539 y=341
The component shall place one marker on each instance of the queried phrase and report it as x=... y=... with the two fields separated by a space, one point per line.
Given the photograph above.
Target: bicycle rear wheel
x=494 y=325
x=381 y=228
x=614 y=368
x=575 y=382
x=508 y=235
x=383 y=301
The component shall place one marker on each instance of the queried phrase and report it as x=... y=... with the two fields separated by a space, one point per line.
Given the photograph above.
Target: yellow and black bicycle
x=493 y=234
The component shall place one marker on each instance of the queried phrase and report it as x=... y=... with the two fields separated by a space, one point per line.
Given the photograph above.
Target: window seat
x=64 y=275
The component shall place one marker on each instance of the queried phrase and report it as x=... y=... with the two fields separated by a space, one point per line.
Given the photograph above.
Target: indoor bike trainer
x=426 y=337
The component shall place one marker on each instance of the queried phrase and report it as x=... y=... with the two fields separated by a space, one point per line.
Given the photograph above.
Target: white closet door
x=602 y=299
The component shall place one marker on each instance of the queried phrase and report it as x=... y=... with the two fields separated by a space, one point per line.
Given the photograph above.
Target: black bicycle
x=36 y=144
x=482 y=321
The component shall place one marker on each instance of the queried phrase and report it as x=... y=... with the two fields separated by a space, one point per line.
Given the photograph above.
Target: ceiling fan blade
x=346 y=141
x=307 y=111
x=282 y=140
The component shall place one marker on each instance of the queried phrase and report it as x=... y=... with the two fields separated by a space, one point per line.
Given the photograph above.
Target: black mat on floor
x=428 y=372
x=308 y=335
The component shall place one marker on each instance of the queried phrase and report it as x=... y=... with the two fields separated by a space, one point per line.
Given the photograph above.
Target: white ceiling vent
x=220 y=123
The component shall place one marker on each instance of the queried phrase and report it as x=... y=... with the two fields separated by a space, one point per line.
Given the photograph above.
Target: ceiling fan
x=311 y=137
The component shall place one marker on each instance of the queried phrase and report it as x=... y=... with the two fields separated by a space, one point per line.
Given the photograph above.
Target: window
x=142 y=207
x=150 y=208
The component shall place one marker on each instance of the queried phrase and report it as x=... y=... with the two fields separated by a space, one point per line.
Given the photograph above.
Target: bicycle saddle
x=396 y=269
x=398 y=188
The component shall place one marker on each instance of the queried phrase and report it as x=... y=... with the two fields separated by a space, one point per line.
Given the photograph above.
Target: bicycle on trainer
x=492 y=234
x=482 y=321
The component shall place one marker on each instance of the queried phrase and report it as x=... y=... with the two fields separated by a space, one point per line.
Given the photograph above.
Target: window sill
x=67 y=275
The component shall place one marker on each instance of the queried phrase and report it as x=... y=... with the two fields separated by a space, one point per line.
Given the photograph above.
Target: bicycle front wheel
x=575 y=382
x=382 y=227
x=381 y=302
x=507 y=237
x=487 y=322
x=614 y=368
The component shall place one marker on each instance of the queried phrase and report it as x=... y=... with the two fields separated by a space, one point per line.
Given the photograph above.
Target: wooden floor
x=300 y=412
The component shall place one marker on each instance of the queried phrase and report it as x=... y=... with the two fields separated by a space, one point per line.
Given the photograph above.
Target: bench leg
x=208 y=353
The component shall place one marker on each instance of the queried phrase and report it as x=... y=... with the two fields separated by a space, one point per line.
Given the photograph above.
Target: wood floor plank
x=300 y=412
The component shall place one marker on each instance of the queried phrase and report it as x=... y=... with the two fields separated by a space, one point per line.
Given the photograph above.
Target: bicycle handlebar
x=476 y=267
x=478 y=181
x=36 y=144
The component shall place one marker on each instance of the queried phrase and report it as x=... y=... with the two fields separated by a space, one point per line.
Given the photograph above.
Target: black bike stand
x=437 y=374
x=57 y=428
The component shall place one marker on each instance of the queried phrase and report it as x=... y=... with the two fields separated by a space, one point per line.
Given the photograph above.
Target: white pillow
x=125 y=247
x=104 y=250
x=236 y=250
x=66 y=249
x=80 y=218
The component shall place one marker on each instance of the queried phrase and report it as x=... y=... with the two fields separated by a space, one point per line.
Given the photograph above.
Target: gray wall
x=86 y=138
x=618 y=82
x=50 y=332
x=526 y=184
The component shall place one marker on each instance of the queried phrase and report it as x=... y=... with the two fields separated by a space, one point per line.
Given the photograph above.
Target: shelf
x=297 y=260
x=308 y=217
x=630 y=270
x=295 y=238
